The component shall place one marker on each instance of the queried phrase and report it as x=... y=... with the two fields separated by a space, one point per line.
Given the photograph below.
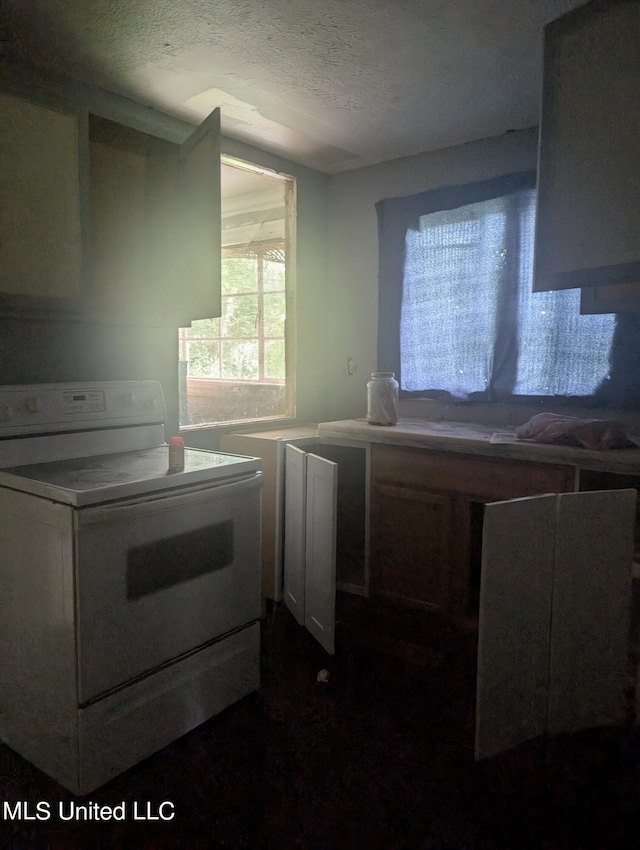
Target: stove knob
x=128 y=399
x=5 y=413
x=33 y=404
x=150 y=403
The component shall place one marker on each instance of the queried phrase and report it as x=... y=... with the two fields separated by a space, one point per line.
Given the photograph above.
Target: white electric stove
x=130 y=594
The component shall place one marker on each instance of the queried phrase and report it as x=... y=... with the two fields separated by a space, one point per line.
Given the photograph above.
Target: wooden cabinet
x=41 y=228
x=426 y=518
x=413 y=531
x=134 y=215
x=154 y=224
x=104 y=222
x=588 y=208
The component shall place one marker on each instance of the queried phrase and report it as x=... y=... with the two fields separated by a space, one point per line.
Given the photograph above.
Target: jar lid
x=383 y=374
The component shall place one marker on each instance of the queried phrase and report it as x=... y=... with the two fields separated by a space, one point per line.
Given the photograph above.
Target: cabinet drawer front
x=481 y=477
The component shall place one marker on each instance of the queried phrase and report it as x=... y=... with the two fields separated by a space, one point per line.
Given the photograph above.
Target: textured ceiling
x=333 y=84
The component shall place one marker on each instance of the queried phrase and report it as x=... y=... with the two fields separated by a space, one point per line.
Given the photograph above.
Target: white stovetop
x=102 y=478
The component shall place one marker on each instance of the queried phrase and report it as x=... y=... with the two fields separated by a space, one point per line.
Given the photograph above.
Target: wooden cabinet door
x=41 y=226
x=411 y=544
x=310 y=543
x=588 y=208
x=555 y=597
x=422 y=529
x=201 y=221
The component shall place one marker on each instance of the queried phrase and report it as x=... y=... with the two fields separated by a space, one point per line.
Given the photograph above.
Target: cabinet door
x=201 y=221
x=518 y=545
x=588 y=209
x=295 y=497
x=166 y=288
x=423 y=516
x=311 y=484
x=411 y=544
x=134 y=226
x=591 y=609
x=41 y=228
x=320 y=561
x=553 y=636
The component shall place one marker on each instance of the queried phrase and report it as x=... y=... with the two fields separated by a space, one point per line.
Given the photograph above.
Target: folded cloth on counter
x=596 y=434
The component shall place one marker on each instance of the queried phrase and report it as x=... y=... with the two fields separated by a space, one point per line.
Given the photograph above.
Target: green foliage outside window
x=248 y=342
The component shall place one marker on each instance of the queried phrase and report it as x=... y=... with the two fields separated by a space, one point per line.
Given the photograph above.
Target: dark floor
x=379 y=757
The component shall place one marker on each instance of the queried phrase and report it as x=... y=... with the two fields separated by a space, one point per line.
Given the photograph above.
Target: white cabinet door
x=41 y=230
x=201 y=229
x=554 y=615
x=295 y=497
x=320 y=563
x=518 y=545
x=590 y=624
x=311 y=484
x=588 y=216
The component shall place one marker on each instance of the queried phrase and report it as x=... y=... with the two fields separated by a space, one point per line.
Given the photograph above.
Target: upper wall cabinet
x=41 y=228
x=588 y=214
x=104 y=222
x=154 y=224
x=134 y=217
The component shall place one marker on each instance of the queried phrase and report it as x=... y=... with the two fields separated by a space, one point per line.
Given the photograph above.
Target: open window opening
x=238 y=367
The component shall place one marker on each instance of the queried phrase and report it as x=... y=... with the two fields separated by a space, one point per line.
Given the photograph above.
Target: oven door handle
x=152 y=503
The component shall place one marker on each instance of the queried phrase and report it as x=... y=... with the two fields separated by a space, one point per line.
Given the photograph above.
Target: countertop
x=492 y=441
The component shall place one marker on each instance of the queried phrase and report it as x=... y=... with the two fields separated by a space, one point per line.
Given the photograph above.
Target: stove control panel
x=84 y=401
x=53 y=408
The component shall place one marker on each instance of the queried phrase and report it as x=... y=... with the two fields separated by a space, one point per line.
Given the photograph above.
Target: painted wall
x=352 y=280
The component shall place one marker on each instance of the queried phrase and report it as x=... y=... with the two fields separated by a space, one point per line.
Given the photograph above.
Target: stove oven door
x=161 y=577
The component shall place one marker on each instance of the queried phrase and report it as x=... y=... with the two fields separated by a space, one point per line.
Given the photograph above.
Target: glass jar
x=382 y=399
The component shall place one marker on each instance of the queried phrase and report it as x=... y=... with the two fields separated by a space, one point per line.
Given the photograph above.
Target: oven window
x=174 y=560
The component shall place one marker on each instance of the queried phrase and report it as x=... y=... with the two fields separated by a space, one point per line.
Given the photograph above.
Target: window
x=236 y=368
x=468 y=323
